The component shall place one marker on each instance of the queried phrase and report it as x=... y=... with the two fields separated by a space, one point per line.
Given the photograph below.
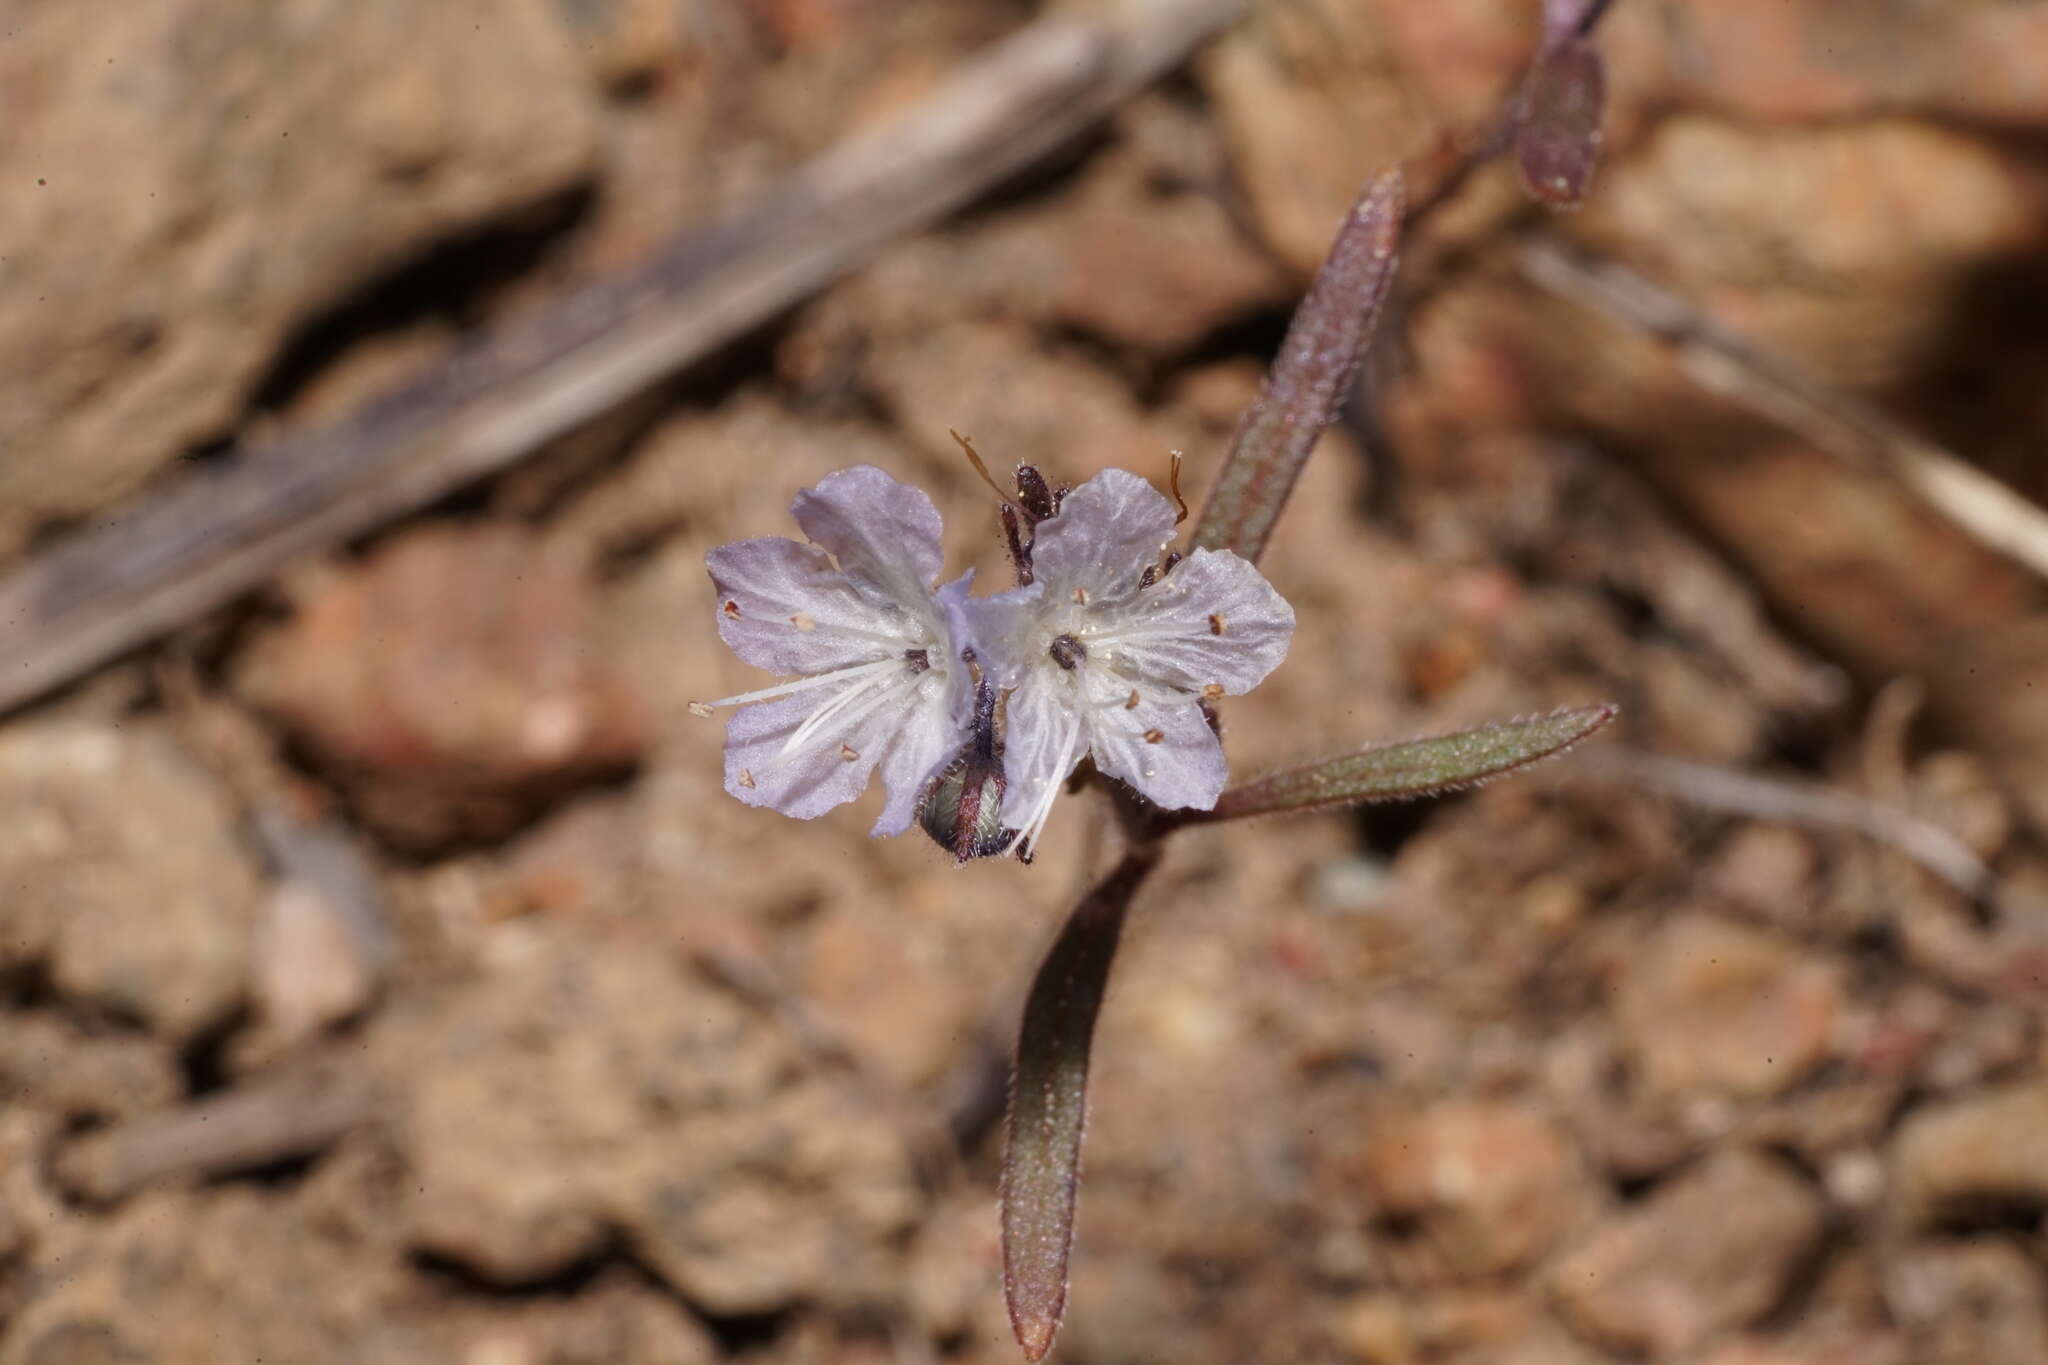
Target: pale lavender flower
x=875 y=646
x=1113 y=651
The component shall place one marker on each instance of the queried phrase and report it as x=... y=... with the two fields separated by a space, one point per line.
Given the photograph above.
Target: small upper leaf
x=1417 y=768
x=1559 y=137
x=1309 y=377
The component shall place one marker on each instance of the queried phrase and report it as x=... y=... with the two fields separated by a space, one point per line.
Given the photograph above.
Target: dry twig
x=1772 y=387
x=219 y=532
x=276 y=1118
x=1801 y=803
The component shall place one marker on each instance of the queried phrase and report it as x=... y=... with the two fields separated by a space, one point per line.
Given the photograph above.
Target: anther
x=747 y=777
x=732 y=609
x=1068 y=652
x=849 y=753
x=1154 y=736
x=803 y=622
x=1215 y=623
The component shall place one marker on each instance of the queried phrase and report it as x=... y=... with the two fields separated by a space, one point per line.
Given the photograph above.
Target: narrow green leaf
x=1417 y=768
x=1309 y=377
x=1048 y=1104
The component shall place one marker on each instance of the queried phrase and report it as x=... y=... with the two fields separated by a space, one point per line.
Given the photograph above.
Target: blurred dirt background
x=384 y=976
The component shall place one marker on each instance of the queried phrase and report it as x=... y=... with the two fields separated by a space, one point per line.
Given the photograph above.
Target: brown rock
x=619 y=1318
x=190 y=1279
x=185 y=187
x=1493 y=1184
x=893 y=992
x=1715 y=1248
x=1962 y=1303
x=1315 y=98
x=580 y=862
x=452 y=681
x=996 y=384
x=1768 y=869
x=1837 y=246
x=1491 y=1326
x=1972 y=1157
x=1147 y=255
x=47 y=1063
x=311 y=966
x=1954 y=789
x=1838 y=1348
x=123 y=872
x=622 y=42
x=588 y=1086
x=1812 y=60
x=1711 y=1005
x=179 y=1278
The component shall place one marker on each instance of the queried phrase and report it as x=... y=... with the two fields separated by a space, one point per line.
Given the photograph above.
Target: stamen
x=1212 y=692
x=1154 y=572
x=1173 y=483
x=1131 y=702
x=849 y=753
x=1067 y=652
x=1074 y=741
x=859 y=708
x=1215 y=623
x=1154 y=736
x=974 y=458
x=858 y=700
x=732 y=609
x=1038 y=497
x=803 y=622
x=837 y=675
x=747 y=778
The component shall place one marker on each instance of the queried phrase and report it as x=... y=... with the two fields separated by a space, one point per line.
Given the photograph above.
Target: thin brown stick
x=1774 y=388
x=256 y=1124
x=1801 y=803
x=218 y=533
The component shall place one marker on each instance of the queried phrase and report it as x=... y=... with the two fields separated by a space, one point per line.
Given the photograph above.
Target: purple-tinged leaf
x=1309 y=377
x=1048 y=1104
x=1420 y=767
x=1559 y=138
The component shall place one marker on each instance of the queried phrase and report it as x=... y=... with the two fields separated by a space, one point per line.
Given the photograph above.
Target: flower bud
x=962 y=809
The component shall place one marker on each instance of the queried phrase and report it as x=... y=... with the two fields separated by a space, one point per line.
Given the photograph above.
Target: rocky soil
x=385 y=976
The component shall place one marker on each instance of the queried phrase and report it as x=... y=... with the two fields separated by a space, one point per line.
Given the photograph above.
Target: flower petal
x=1108 y=531
x=805 y=783
x=783 y=607
x=1165 y=750
x=934 y=729
x=911 y=758
x=884 y=533
x=1044 y=736
x=1214 y=619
